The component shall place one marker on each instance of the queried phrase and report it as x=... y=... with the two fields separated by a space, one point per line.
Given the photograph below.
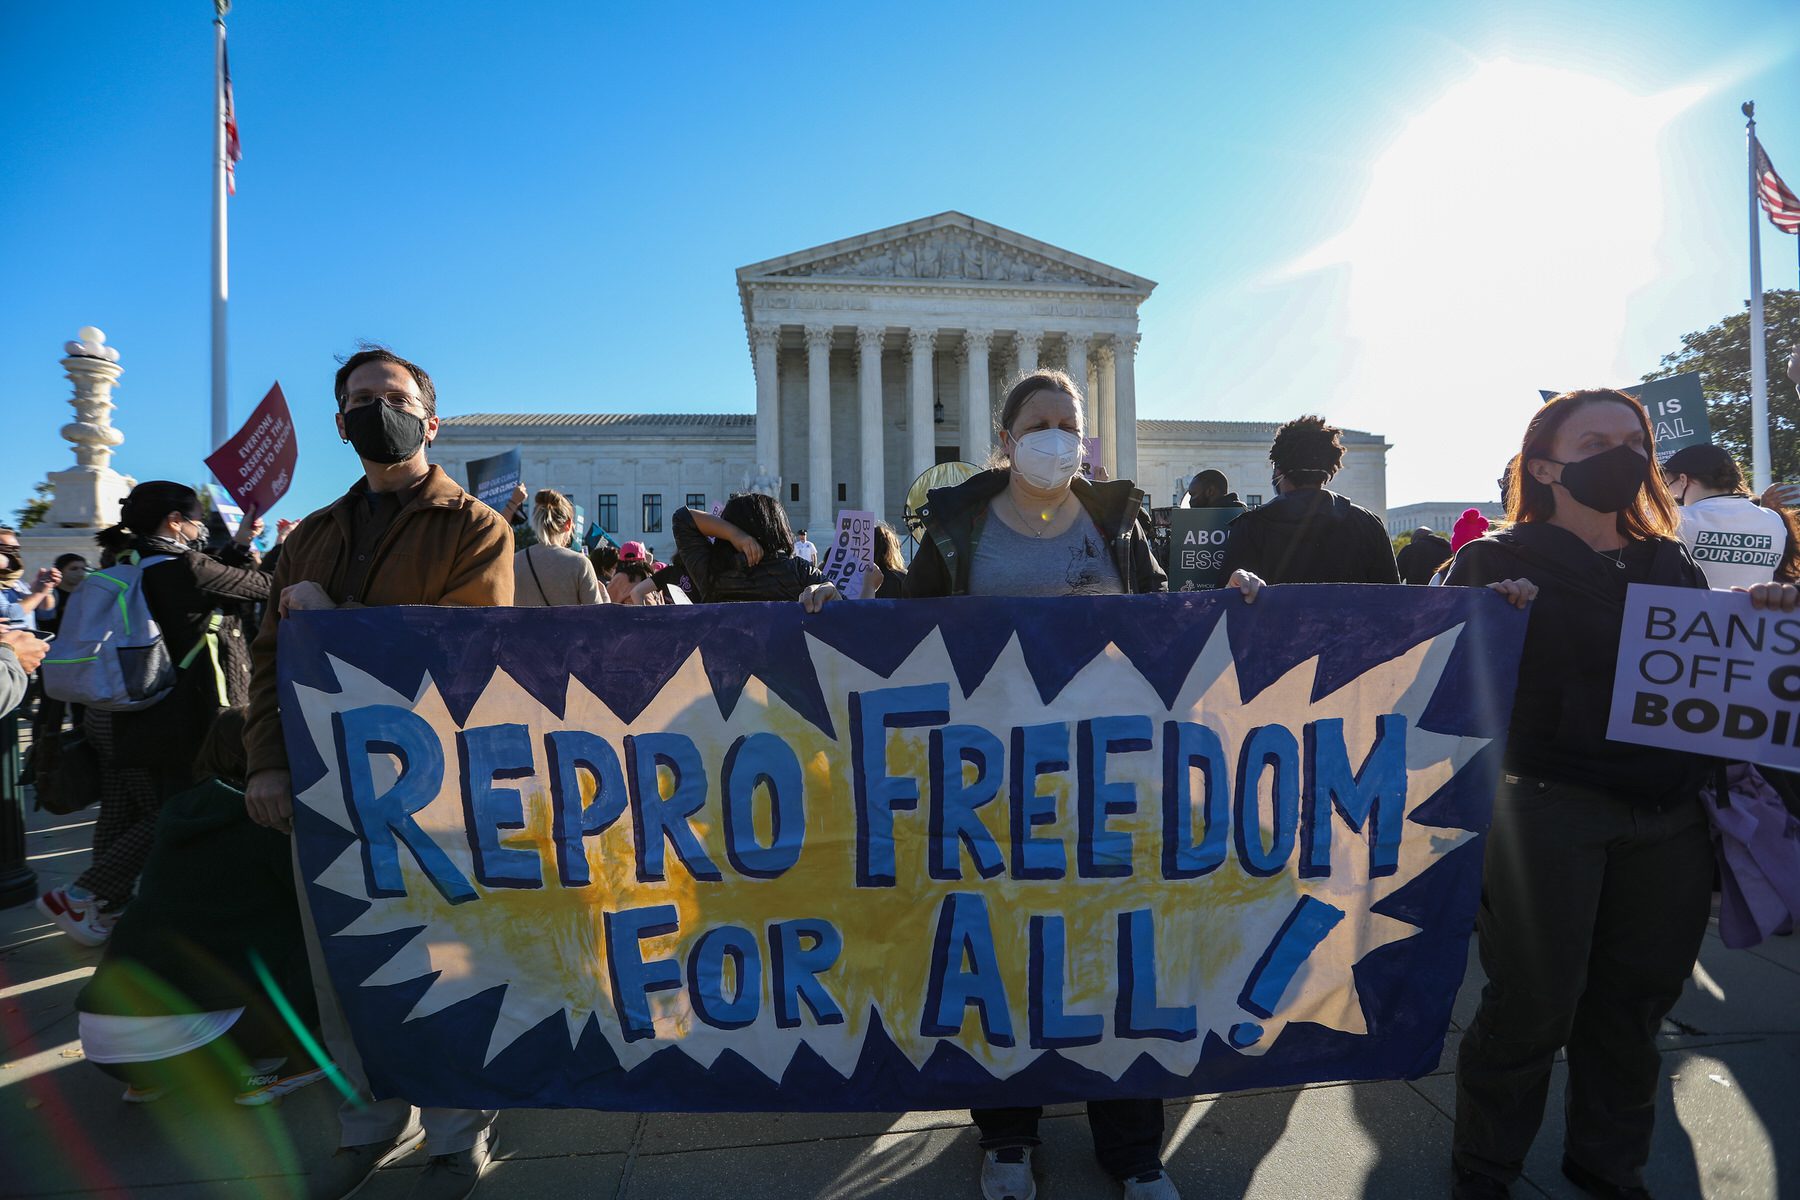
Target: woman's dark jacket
x=1564 y=697
x=183 y=594
x=954 y=517
x=719 y=573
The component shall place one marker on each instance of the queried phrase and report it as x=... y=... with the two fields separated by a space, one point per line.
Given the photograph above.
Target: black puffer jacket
x=953 y=518
x=183 y=594
x=720 y=576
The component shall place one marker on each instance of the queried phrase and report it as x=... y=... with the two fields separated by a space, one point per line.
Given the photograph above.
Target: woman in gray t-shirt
x=1034 y=527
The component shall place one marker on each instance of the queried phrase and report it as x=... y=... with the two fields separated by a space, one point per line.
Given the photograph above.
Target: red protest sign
x=256 y=464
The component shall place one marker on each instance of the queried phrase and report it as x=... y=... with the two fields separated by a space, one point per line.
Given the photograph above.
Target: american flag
x=1778 y=199
x=233 y=151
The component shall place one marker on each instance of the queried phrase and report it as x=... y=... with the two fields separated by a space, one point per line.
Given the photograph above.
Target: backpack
x=110 y=654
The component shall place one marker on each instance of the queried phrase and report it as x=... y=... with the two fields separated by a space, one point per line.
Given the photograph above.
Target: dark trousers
x=1128 y=1134
x=1592 y=913
x=131 y=799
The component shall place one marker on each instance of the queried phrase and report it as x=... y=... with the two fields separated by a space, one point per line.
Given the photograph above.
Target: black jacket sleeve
x=927 y=576
x=1478 y=564
x=215 y=581
x=1242 y=551
x=1382 y=567
x=1147 y=571
x=694 y=550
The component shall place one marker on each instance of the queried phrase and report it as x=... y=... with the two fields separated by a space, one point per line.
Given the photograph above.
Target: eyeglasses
x=391 y=399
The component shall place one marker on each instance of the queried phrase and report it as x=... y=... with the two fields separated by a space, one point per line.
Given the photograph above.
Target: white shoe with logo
x=81 y=918
x=1006 y=1174
x=266 y=1087
x=1151 y=1185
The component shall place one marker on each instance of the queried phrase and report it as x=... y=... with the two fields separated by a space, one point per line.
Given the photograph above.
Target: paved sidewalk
x=1729 y=1122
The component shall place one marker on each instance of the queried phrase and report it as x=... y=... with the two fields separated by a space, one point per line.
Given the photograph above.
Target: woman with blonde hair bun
x=549 y=573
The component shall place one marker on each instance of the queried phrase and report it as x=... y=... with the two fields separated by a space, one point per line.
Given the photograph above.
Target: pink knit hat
x=1469 y=526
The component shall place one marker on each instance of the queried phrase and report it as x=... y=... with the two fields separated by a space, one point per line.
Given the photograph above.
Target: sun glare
x=1496 y=251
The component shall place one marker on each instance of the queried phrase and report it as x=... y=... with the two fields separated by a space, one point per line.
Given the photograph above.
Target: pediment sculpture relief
x=949 y=254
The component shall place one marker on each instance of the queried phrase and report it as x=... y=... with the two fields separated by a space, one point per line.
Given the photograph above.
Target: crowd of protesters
x=1599 y=867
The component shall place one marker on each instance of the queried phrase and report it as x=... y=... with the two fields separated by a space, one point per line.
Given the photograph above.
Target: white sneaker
x=81 y=919
x=1006 y=1174
x=1151 y=1185
x=454 y=1176
x=271 y=1086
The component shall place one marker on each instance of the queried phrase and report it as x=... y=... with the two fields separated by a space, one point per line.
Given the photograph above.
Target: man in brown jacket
x=405 y=533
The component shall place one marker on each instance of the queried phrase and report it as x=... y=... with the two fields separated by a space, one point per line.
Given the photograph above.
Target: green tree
x=33 y=510
x=1721 y=353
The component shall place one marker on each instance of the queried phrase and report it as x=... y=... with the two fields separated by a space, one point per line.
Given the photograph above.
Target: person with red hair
x=1598 y=873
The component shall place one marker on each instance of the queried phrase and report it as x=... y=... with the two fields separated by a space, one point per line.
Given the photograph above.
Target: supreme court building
x=876 y=357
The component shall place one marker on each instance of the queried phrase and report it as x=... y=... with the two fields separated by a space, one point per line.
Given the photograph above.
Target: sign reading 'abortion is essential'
x=893 y=855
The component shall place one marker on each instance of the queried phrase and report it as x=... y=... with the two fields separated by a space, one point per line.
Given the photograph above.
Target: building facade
x=880 y=355
x=1171 y=453
x=628 y=472
x=1439 y=516
x=876 y=357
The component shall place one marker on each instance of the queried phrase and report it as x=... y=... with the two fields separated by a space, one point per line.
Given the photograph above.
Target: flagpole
x=221 y=428
x=1759 y=372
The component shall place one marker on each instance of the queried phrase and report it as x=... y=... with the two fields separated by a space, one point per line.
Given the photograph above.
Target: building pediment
x=950 y=248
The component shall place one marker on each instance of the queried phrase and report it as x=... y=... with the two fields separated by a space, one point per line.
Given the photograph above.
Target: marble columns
x=1125 y=403
x=765 y=341
x=821 y=494
x=869 y=425
x=978 y=420
x=1078 y=371
x=921 y=416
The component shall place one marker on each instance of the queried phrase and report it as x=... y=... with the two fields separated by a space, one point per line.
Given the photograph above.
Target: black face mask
x=384 y=434
x=1607 y=482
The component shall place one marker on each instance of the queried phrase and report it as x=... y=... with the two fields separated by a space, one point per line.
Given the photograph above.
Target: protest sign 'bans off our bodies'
x=1705 y=672
x=897 y=855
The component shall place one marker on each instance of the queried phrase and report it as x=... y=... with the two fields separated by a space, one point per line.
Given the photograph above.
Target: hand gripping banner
x=897 y=855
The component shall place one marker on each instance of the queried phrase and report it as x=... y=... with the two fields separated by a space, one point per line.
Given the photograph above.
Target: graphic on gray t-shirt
x=1073 y=563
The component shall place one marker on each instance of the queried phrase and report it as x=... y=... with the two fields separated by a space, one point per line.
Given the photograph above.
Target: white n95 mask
x=1047 y=458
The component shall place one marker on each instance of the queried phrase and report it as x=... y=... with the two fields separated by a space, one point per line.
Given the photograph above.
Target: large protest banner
x=256 y=464
x=897 y=855
x=1705 y=672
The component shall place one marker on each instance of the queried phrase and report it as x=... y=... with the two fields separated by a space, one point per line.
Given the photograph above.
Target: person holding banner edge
x=1599 y=863
x=1030 y=525
x=405 y=533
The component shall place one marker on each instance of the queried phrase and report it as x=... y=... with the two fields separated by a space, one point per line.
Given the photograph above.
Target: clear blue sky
x=1404 y=216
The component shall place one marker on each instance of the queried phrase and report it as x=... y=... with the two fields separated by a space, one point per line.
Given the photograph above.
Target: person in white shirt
x=805 y=549
x=1735 y=540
